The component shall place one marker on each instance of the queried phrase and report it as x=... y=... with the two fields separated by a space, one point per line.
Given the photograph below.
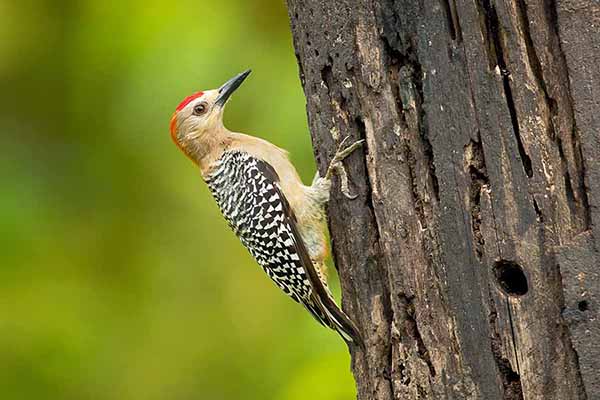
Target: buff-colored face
x=202 y=112
x=198 y=116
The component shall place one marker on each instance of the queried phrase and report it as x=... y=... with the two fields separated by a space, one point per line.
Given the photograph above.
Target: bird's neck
x=208 y=148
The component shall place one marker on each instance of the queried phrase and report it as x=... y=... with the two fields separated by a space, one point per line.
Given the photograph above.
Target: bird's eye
x=200 y=108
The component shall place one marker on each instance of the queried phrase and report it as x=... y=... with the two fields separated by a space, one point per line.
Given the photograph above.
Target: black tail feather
x=329 y=314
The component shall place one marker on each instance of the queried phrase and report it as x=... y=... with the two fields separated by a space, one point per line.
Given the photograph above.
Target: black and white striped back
x=246 y=190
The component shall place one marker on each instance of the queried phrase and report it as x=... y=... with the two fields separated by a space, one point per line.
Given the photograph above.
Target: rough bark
x=470 y=260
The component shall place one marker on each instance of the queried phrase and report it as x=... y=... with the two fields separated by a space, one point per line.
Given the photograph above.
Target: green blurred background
x=119 y=279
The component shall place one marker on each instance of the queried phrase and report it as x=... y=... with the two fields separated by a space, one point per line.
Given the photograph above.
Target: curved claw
x=344 y=181
x=350 y=196
x=341 y=154
x=343 y=142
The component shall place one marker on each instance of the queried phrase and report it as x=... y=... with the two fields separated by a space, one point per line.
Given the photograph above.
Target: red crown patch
x=188 y=99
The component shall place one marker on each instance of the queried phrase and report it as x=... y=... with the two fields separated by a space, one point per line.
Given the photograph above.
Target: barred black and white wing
x=248 y=193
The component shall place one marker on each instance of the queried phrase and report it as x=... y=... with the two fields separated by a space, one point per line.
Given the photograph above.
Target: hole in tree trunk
x=511 y=278
x=582 y=305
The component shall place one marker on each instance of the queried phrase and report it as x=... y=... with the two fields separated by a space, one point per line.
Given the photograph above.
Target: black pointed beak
x=229 y=87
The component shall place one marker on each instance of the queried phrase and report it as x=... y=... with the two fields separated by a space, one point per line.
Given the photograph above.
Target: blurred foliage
x=119 y=279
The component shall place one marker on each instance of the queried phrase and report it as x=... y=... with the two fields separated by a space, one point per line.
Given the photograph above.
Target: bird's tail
x=327 y=312
x=342 y=324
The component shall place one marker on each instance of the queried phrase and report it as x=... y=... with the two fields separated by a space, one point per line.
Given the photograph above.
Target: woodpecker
x=277 y=218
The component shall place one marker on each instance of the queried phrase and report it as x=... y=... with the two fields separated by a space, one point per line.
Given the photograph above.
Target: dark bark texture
x=470 y=260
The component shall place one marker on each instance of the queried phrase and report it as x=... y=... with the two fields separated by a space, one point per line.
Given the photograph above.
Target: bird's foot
x=336 y=165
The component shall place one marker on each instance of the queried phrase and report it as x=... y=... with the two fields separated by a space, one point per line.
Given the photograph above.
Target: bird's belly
x=313 y=236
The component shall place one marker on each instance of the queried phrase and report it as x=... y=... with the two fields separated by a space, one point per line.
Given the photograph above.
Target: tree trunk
x=470 y=259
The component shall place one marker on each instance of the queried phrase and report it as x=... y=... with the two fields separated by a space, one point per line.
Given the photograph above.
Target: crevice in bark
x=534 y=61
x=416 y=77
x=407 y=89
x=538 y=211
x=576 y=207
x=575 y=188
x=475 y=165
x=567 y=181
x=494 y=29
x=453 y=23
x=411 y=163
x=404 y=377
x=449 y=18
x=456 y=21
x=369 y=192
x=405 y=77
x=395 y=75
x=585 y=205
x=513 y=338
x=484 y=14
x=551 y=10
x=550 y=6
x=412 y=330
x=569 y=192
x=327 y=74
x=511 y=380
x=393 y=32
x=428 y=152
x=513 y=116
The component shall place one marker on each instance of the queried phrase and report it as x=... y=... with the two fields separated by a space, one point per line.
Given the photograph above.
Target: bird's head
x=201 y=114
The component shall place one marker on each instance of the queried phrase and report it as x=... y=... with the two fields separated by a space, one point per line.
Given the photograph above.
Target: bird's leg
x=336 y=165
